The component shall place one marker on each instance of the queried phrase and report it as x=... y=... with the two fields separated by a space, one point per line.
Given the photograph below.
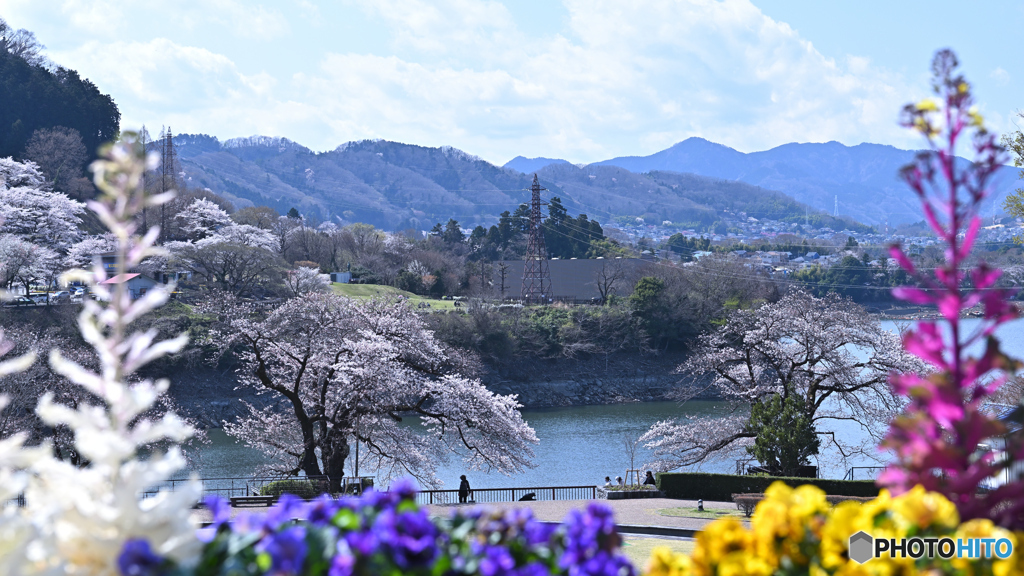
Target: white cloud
x=631 y=78
x=1002 y=77
x=624 y=78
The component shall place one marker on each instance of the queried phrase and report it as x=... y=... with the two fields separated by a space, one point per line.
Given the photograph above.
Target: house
x=137 y=284
x=341 y=277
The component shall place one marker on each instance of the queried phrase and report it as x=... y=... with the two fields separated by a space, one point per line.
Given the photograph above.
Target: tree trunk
x=335 y=451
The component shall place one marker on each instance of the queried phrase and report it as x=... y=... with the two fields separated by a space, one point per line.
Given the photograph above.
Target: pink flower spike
x=950 y=307
x=926 y=343
x=969 y=236
x=904 y=261
x=913 y=295
x=983 y=276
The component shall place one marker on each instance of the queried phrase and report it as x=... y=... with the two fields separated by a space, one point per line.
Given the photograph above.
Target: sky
x=582 y=80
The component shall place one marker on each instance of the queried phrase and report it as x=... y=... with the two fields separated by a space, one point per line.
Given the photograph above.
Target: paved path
x=642 y=512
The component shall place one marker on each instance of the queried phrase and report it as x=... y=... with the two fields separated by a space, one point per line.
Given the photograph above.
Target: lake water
x=581 y=445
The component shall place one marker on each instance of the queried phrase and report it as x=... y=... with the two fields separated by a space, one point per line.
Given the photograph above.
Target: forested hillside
x=398 y=186
x=37 y=95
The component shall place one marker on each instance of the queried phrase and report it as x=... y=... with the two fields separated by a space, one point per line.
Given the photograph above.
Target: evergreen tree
x=786 y=438
x=453 y=233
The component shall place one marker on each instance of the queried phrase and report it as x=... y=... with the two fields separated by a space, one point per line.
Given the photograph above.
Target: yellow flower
x=720 y=538
x=984 y=528
x=664 y=562
x=785 y=519
x=921 y=508
x=977 y=120
x=928 y=105
x=744 y=564
x=846 y=519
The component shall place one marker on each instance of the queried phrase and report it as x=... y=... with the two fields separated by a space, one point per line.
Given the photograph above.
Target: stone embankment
x=209 y=397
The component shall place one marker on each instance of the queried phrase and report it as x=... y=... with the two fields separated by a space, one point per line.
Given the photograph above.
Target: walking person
x=464 y=490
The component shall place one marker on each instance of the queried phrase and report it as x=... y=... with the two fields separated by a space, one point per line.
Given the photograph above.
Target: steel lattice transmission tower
x=168 y=178
x=536 y=279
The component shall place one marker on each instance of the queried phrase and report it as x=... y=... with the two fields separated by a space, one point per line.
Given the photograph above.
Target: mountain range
x=862 y=179
x=398 y=186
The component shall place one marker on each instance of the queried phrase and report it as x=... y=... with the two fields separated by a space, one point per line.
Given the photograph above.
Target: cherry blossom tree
x=237 y=258
x=81 y=254
x=304 y=280
x=29 y=210
x=341 y=371
x=201 y=219
x=17 y=256
x=826 y=353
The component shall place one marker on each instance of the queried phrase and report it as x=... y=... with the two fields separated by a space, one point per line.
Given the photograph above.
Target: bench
x=748 y=502
x=244 y=501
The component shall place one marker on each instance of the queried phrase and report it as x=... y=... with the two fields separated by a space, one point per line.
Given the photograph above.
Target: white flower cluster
x=76 y=520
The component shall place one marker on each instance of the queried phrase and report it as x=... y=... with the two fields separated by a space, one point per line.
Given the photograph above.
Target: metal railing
x=869 y=472
x=483 y=495
x=231 y=487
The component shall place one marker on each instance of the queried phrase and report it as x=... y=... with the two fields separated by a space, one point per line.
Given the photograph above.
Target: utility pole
x=503 y=274
x=536 y=279
x=144 y=137
x=835 y=211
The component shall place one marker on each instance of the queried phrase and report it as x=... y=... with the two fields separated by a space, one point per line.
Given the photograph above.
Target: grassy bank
x=370 y=290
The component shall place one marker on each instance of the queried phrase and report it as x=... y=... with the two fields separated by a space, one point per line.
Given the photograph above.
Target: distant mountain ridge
x=863 y=178
x=531 y=165
x=398 y=186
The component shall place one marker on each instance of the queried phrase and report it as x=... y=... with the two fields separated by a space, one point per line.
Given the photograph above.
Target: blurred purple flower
x=321 y=511
x=288 y=508
x=410 y=538
x=138 y=559
x=496 y=561
x=343 y=563
x=532 y=569
x=221 y=510
x=363 y=542
x=603 y=564
x=287 y=550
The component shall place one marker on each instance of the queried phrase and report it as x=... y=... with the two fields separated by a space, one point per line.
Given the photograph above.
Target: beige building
x=573 y=280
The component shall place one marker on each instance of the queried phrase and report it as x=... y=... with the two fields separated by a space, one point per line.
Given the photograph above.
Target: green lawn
x=371 y=290
x=709 y=513
x=638 y=548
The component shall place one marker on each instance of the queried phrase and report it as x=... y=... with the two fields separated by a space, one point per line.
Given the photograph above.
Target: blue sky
x=580 y=80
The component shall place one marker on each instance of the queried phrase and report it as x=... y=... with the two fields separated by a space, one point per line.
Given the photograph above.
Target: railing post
x=552 y=493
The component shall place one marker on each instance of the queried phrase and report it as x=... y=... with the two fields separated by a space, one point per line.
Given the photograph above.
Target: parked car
x=20 y=301
x=62 y=297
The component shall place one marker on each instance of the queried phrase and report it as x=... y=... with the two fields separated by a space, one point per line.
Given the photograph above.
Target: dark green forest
x=35 y=97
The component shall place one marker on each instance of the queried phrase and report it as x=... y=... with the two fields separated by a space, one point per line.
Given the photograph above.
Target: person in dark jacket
x=650 y=479
x=464 y=490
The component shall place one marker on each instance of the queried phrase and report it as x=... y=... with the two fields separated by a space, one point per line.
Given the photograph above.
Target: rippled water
x=578 y=445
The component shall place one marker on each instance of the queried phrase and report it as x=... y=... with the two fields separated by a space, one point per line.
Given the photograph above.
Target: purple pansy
x=410 y=538
x=496 y=561
x=287 y=550
x=138 y=559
